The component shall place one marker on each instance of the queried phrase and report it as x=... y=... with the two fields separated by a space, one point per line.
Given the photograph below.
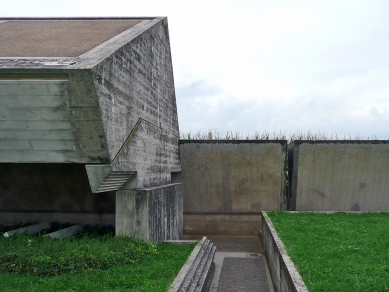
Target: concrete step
x=197 y=273
x=204 y=260
x=114 y=181
x=206 y=277
x=102 y=178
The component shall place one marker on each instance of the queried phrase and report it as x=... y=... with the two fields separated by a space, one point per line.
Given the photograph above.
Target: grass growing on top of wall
x=230 y=135
x=88 y=263
x=339 y=251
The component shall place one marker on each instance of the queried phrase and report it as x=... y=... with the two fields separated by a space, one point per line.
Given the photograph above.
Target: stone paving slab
x=243 y=274
x=240 y=248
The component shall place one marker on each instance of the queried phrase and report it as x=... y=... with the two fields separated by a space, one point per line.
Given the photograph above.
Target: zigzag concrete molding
x=197 y=273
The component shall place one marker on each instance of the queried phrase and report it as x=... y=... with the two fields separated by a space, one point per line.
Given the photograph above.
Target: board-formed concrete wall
x=339 y=175
x=228 y=183
x=136 y=82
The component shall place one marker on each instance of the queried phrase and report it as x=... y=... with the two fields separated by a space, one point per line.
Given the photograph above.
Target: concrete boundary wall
x=227 y=183
x=342 y=175
x=282 y=270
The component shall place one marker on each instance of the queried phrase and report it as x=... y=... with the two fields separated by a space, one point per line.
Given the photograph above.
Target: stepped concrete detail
x=196 y=274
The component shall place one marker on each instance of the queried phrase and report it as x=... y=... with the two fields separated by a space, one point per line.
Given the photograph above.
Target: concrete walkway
x=240 y=264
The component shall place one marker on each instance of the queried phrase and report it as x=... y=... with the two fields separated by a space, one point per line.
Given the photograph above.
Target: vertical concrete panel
x=238 y=178
x=341 y=175
x=144 y=227
x=125 y=213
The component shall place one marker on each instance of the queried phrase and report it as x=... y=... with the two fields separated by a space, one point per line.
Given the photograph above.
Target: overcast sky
x=247 y=66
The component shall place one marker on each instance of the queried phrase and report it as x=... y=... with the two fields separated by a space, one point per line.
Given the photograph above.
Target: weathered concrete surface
x=282 y=270
x=197 y=272
x=84 y=108
x=109 y=100
x=137 y=82
x=50 y=117
x=222 y=224
x=230 y=182
x=340 y=176
x=150 y=151
x=152 y=214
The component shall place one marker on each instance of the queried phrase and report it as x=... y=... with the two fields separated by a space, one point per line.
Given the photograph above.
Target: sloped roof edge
x=88 y=59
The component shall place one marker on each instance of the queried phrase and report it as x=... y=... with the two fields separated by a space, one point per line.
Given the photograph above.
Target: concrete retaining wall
x=339 y=175
x=228 y=183
x=282 y=270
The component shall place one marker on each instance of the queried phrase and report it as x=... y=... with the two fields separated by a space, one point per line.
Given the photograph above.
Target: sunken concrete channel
x=283 y=272
x=197 y=273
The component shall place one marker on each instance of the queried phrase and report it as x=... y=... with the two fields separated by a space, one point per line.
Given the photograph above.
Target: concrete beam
x=30 y=230
x=72 y=230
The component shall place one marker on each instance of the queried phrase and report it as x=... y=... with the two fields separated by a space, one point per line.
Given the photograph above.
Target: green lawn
x=339 y=251
x=88 y=263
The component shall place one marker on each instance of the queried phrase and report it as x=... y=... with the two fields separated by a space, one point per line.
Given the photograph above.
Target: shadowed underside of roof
x=57 y=38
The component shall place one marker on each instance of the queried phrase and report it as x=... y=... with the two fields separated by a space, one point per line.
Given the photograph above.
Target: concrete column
x=152 y=214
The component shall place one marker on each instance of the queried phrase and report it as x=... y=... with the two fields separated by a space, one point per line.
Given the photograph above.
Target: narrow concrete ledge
x=196 y=274
x=282 y=270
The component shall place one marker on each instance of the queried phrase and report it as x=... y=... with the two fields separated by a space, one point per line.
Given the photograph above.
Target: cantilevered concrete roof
x=27 y=43
x=91 y=91
x=57 y=37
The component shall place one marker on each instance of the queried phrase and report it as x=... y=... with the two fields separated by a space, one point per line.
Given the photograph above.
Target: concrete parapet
x=282 y=270
x=339 y=175
x=227 y=183
x=153 y=214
